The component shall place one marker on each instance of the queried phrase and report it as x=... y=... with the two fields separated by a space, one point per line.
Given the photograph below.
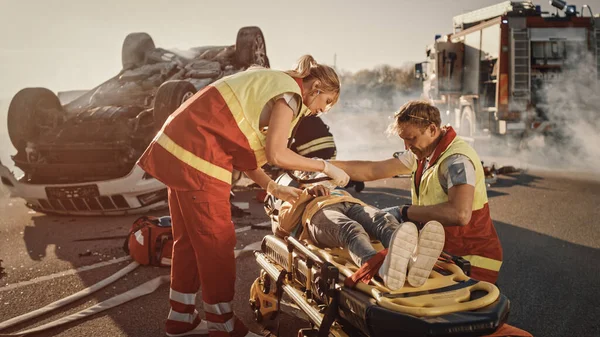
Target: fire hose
x=141 y=290
x=127 y=296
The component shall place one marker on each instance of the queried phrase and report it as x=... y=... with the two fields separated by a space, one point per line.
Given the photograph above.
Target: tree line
x=379 y=88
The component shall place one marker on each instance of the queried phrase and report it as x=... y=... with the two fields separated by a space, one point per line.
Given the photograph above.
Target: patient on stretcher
x=331 y=217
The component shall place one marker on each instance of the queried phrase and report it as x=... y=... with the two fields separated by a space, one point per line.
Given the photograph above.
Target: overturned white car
x=79 y=158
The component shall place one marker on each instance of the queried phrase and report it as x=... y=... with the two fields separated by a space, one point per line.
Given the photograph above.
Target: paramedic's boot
x=431 y=243
x=200 y=329
x=401 y=247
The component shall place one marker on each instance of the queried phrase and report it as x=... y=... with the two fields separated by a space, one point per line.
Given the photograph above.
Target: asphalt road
x=547 y=222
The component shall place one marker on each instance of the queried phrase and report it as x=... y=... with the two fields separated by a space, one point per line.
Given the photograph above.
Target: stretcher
x=450 y=303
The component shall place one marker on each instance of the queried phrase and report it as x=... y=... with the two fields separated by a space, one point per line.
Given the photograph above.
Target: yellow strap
x=483 y=262
x=317 y=148
x=315 y=141
x=193 y=160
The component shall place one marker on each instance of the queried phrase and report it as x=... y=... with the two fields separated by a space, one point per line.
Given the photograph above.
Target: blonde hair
x=415 y=112
x=307 y=69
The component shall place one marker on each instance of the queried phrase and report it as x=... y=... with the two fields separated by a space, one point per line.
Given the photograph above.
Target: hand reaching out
x=287 y=193
x=338 y=176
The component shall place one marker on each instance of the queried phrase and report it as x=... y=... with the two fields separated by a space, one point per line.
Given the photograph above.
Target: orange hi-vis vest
x=217 y=130
x=477 y=241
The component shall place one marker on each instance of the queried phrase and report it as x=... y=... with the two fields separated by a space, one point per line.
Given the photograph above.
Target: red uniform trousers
x=203 y=256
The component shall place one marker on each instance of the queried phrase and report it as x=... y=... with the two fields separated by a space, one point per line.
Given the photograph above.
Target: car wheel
x=135 y=47
x=169 y=97
x=467 y=122
x=250 y=48
x=30 y=112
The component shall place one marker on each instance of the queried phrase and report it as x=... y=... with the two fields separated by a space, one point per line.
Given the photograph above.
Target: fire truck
x=487 y=76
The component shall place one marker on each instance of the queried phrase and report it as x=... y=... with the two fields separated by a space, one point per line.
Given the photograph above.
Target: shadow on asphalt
x=553 y=290
x=522 y=179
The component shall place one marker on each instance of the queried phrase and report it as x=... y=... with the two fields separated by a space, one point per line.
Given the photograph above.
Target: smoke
x=359 y=127
x=572 y=102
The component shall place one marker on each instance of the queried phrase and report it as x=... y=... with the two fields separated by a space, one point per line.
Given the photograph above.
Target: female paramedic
x=238 y=122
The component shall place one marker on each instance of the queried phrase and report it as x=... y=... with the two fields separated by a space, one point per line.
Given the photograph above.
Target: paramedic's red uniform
x=194 y=154
x=477 y=241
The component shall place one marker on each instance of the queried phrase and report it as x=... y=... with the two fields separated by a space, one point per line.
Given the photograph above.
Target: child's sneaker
x=401 y=248
x=431 y=243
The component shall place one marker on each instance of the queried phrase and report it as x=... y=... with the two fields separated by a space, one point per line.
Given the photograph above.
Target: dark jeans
x=352 y=226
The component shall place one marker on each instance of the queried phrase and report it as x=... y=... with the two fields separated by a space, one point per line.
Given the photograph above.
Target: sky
x=76 y=44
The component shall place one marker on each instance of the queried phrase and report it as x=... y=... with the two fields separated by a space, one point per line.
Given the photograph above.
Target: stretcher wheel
x=253 y=304
x=258 y=317
x=262 y=302
x=265 y=282
x=255 y=307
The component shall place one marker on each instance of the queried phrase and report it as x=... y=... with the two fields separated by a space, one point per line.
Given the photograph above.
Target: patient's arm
x=372 y=170
x=456 y=212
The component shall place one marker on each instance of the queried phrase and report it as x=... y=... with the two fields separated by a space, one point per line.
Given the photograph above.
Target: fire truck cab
x=487 y=76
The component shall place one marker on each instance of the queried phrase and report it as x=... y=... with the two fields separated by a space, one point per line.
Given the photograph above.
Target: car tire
x=169 y=97
x=467 y=122
x=250 y=48
x=29 y=111
x=135 y=47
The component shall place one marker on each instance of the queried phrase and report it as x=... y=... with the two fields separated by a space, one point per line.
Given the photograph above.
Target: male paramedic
x=448 y=185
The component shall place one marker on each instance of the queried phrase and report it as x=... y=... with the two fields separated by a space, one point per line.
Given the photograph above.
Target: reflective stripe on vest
x=193 y=160
x=483 y=262
x=316 y=145
x=246 y=94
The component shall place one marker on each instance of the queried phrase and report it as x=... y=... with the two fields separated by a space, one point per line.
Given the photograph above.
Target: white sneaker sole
x=431 y=243
x=200 y=329
x=402 y=246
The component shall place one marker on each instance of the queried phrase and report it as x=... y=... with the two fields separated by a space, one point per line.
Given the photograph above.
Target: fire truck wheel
x=135 y=47
x=467 y=122
x=169 y=97
x=30 y=112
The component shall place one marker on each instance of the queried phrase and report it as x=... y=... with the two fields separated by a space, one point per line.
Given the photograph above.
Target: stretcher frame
x=449 y=304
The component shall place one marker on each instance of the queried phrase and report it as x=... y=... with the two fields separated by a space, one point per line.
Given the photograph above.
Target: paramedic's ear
x=432 y=128
x=315 y=86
